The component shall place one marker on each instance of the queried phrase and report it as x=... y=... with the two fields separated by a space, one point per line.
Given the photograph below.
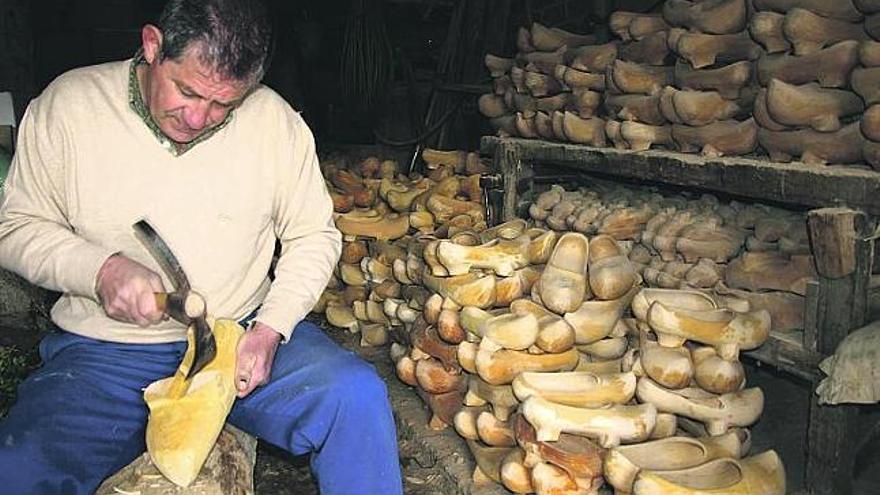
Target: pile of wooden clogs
x=792 y=80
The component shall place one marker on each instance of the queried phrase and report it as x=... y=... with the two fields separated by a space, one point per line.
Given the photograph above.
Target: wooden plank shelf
x=792 y=183
x=785 y=350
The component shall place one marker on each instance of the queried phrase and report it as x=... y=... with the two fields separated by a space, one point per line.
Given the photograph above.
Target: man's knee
x=357 y=383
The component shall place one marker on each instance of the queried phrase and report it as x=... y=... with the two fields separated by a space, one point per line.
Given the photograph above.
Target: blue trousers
x=81 y=416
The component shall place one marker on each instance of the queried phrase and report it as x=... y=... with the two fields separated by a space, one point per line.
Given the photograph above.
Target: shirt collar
x=136 y=102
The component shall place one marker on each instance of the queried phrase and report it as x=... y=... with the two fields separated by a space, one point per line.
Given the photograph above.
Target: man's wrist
x=260 y=327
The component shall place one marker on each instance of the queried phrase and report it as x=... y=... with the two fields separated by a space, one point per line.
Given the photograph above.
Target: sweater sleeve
x=310 y=242
x=36 y=238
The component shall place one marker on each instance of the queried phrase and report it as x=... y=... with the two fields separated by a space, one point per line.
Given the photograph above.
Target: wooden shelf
x=791 y=183
x=785 y=350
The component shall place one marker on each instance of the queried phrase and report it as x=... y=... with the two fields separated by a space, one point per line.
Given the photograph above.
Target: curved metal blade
x=163 y=254
x=205 y=346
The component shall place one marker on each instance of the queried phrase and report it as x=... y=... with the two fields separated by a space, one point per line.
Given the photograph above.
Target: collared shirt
x=136 y=102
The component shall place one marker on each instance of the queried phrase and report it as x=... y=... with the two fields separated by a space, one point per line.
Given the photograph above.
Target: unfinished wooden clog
x=833 y=9
x=634 y=25
x=610 y=272
x=632 y=78
x=722 y=138
x=762 y=474
x=368 y=223
x=809 y=32
x=786 y=308
x=639 y=108
x=498 y=66
x=609 y=426
x=590 y=131
x=594 y=320
x=624 y=463
x=502 y=256
x=576 y=388
x=548 y=479
x=502 y=366
x=549 y=39
x=758 y=271
x=810 y=105
x=830 y=67
x=511 y=331
x=186 y=416
x=725 y=330
x=703 y=50
x=580 y=457
x=728 y=80
x=650 y=50
x=696 y=108
x=864 y=81
x=471 y=289
x=591 y=58
x=671 y=367
x=515 y=476
x=488 y=460
x=563 y=282
x=640 y=137
x=687 y=299
x=434 y=379
x=714 y=17
x=500 y=397
x=717 y=412
x=812 y=147
x=714 y=374
x=493 y=431
x=709 y=240
x=766 y=28
x=869 y=53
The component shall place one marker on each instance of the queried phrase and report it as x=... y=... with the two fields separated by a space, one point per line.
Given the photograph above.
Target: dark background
x=433 y=60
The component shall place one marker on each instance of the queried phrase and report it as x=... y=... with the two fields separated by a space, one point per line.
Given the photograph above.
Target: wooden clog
x=632 y=78
x=703 y=50
x=609 y=426
x=502 y=366
x=576 y=388
x=809 y=32
x=595 y=320
x=835 y=9
x=865 y=83
x=610 y=272
x=714 y=374
x=640 y=137
x=713 y=17
x=717 y=412
x=727 y=80
x=762 y=474
x=770 y=271
x=564 y=280
x=766 y=28
x=830 y=67
x=722 y=138
x=579 y=130
x=812 y=147
x=591 y=58
x=650 y=50
x=810 y=105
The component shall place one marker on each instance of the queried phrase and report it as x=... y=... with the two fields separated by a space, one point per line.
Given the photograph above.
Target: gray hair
x=232 y=36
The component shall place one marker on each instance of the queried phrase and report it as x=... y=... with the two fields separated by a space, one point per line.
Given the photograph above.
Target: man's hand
x=256 y=352
x=125 y=288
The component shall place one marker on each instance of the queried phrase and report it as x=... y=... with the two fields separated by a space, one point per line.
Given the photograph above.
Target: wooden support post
x=508 y=164
x=843 y=262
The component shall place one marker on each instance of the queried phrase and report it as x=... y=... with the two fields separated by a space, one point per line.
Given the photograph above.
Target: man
x=185 y=136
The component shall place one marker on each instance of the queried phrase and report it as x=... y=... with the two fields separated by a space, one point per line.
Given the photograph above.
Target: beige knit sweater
x=87 y=167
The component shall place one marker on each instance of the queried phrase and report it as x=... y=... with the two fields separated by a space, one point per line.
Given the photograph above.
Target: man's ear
x=151 y=41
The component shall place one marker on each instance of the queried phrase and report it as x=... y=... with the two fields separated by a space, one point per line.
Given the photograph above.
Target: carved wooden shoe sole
x=576 y=388
x=717 y=412
x=624 y=463
x=609 y=426
x=564 y=280
x=762 y=474
x=717 y=17
x=810 y=105
x=726 y=330
x=829 y=67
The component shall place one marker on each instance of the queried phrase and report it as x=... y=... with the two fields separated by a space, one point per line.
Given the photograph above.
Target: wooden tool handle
x=181 y=306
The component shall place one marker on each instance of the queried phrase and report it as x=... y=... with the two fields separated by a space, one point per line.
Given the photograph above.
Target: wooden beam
x=841 y=307
x=791 y=183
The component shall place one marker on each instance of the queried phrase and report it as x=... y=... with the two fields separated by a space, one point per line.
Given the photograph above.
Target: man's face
x=185 y=97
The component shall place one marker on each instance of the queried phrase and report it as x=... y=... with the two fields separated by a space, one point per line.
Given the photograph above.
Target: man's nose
x=196 y=116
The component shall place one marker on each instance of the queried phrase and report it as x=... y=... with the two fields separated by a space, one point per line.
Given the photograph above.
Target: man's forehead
x=194 y=73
